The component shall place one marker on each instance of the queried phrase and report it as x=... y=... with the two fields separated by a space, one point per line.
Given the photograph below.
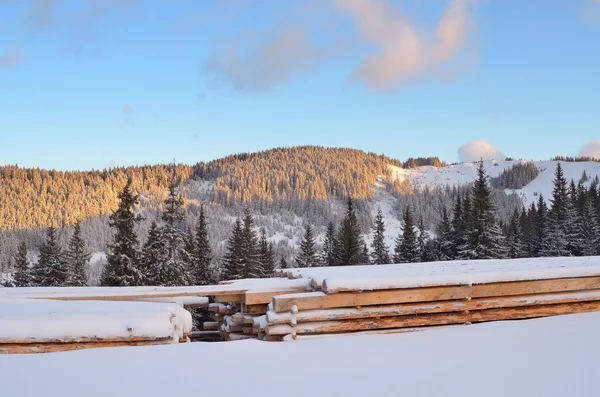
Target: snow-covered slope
x=554 y=356
x=464 y=173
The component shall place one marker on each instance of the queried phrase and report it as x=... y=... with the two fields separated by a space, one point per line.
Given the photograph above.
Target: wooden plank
x=426 y=320
x=255 y=309
x=200 y=336
x=230 y=298
x=320 y=300
x=432 y=307
x=86 y=340
x=34 y=348
x=260 y=297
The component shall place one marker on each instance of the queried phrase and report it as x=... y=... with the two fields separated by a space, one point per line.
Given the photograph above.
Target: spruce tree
x=330 y=250
x=350 y=240
x=445 y=238
x=380 y=254
x=250 y=265
x=283 y=264
x=307 y=257
x=590 y=230
x=422 y=240
x=541 y=225
x=51 y=269
x=406 y=249
x=266 y=254
x=514 y=237
x=122 y=259
x=202 y=253
x=171 y=270
x=485 y=236
x=233 y=256
x=460 y=246
x=152 y=254
x=556 y=241
x=22 y=274
x=77 y=259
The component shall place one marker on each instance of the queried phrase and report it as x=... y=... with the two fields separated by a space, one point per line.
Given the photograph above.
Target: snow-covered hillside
x=464 y=173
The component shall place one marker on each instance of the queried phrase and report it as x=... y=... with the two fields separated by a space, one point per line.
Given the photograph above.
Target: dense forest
x=174 y=255
x=287 y=191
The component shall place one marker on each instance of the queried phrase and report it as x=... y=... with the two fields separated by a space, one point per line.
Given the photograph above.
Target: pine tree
x=202 y=253
x=77 y=259
x=460 y=246
x=122 y=258
x=406 y=249
x=307 y=257
x=350 y=240
x=445 y=238
x=171 y=270
x=250 y=265
x=330 y=250
x=541 y=225
x=51 y=269
x=152 y=254
x=266 y=254
x=380 y=254
x=485 y=236
x=283 y=264
x=590 y=230
x=22 y=272
x=422 y=240
x=514 y=238
x=233 y=256
x=556 y=241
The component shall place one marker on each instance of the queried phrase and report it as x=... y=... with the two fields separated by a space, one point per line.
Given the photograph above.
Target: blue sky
x=100 y=83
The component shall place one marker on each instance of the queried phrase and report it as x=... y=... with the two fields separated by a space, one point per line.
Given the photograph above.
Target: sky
x=102 y=83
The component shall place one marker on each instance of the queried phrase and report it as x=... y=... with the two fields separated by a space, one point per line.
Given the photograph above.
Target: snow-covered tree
x=51 y=269
x=350 y=240
x=233 y=256
x=122 y=259
x=407 y=249
x=556 y=241
x=307 y=257
x=514 y=238
x=77 y=259
x=330 y=248
x=379 y=250
x=22 y=272
x=266 y=254
x=202 y=253
x=485 y=236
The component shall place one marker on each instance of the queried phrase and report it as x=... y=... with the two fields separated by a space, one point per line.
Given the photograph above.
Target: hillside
x=286 y=189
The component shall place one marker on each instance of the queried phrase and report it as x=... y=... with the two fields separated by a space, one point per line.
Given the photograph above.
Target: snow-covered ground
x=543 y=357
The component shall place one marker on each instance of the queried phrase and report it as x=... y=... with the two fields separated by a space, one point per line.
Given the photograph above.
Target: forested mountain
x=287 y=190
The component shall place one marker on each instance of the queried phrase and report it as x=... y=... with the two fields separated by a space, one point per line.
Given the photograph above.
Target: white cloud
x=592 y=149
x=477 y=150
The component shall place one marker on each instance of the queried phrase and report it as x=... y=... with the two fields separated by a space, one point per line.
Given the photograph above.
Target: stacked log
x=345 y=307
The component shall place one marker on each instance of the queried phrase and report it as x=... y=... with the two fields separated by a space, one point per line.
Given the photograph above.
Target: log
x=274 y=318
x=201 y=336
x=230 y=298
x=320 y=300
x=34 y=348
x=260 y=297
x=87 y=340
x=255 y=309
x=426 y=320
x=210 y=325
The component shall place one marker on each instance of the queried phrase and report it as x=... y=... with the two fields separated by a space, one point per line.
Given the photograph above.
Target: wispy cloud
x=127 y=109
x=398 y=52
x=476 y=150
x=255 y=62
x=401 y=52
x=11 y=58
